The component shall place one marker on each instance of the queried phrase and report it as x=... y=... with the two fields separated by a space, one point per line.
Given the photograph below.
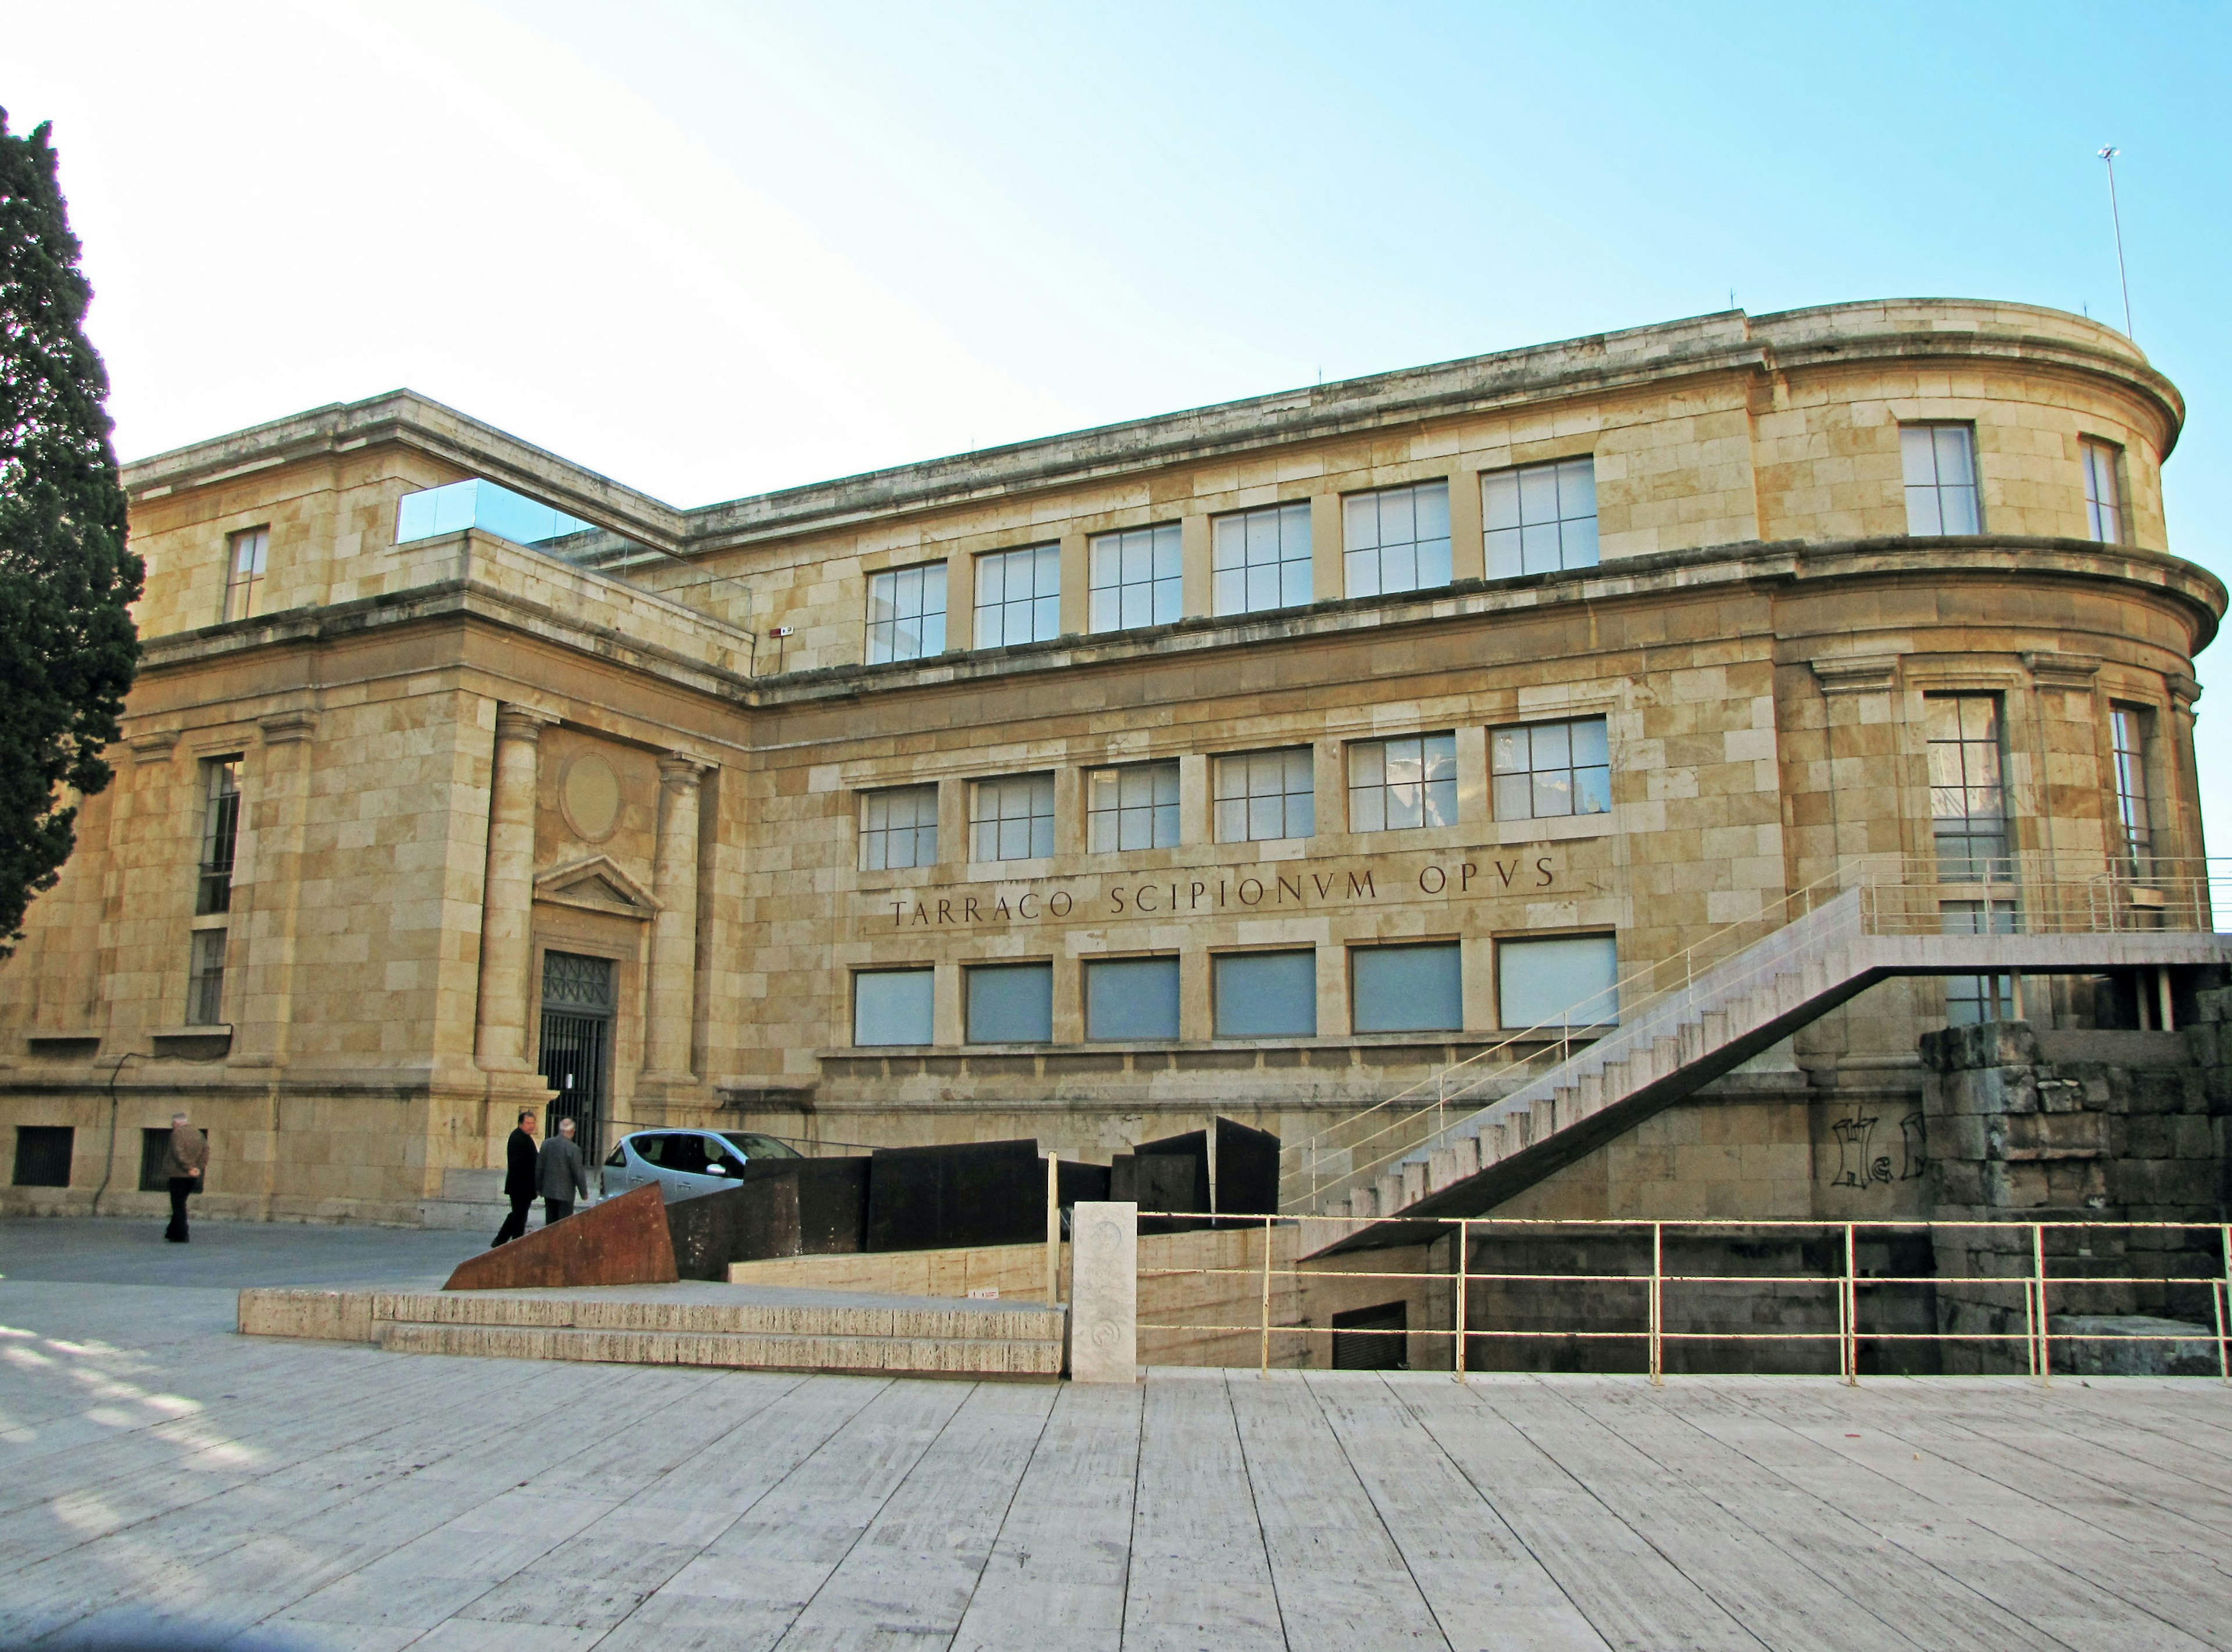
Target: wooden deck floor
x=157 y=1471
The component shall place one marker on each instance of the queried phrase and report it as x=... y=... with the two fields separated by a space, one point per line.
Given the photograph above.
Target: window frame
x=1572 y=771
x=974 y=969
x=1038 y=847
x=1249 y=798
x=220 y=835
x=1355 y=556
x=1995 y=863
x=928 y=647
x=1158 y=813
x=2128 y=764
x=1171 y=960
x=860 y=971
x=244 y=587
x=205 y=972
x=2099 y=460
x=1508 y=558
x=1163 y=590
x=1043 y=606
x=1937 y=487
x=1429 y=786
x=1360 y=951
x=1293 y=573
x=1505 y=944
x=1219 y=960
x=869 y=796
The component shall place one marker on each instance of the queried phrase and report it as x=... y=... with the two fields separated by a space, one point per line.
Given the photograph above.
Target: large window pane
x=1408 y=782
x=906 y=614
x=1406 y=988
x=1968 y=798
x=1940 y=466
x=1540 y=518
x=1134 y=808
x=1012 y=818
x=1266 y=994
x=1019 y=596
x=1132 y=998
x=1396 y=539
x=2103 y=495
x=220 y=834
x=2128 y=729
x=1261 y=558
x=1010 y=1003
x=243 y=577
x=1540 y=770
x=1136 y=577
x=1571 y=979
x=1259 y=795
x=899 y=827
x=891 y=1006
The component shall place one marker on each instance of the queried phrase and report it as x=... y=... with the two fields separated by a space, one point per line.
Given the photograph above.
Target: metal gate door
x=577 y=1025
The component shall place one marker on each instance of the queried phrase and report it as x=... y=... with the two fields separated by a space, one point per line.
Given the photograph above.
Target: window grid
x=1133 y=807
x=1968 y=791
x=2128 y=732
x=1940 y=465
x=243 y=571
x=1972 y=999
x=1396 y=539
x=220 y=835
x=1261 y=558
x=1542 y=770
x=1018 y=596
x=1261 y=796
x=1011 y=818
x=906 y=614
x=1411 y=780
x=1540 y=518
x=205 y=980
x=899 y=828
x=2104 y=497
x=1136 y=577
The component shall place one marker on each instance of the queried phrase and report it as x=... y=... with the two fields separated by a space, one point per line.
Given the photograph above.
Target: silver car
x=686 y=1163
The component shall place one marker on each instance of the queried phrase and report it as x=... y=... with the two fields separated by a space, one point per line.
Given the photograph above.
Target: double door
x=576 y=1059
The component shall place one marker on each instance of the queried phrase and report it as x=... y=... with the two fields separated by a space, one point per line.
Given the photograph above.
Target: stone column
x=508 y=894
x=673 y=1000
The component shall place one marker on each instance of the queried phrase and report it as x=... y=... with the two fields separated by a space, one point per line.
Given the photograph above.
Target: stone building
x=1262 y=759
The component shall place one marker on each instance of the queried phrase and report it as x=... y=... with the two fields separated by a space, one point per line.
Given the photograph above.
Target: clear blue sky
x=712 y=248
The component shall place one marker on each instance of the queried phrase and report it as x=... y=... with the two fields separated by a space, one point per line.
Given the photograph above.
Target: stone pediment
x=596 y=884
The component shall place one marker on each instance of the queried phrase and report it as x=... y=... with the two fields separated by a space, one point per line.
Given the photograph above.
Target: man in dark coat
x=183 y=1161
x=561 y=1173
x=518 y=1178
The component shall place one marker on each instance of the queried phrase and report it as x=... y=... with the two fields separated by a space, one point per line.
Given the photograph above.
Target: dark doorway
x=1372 y=1339
x=577 y=1035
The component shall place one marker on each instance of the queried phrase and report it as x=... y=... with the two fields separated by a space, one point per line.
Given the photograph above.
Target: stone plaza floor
x=164 y=1480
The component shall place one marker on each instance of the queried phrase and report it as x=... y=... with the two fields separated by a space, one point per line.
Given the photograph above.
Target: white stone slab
x=1104 y=1341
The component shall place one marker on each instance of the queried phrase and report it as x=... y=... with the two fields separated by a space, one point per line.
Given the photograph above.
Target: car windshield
x=756 y=1146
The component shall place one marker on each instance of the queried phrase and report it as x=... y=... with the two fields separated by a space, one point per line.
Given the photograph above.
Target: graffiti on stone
x=1859 y=1164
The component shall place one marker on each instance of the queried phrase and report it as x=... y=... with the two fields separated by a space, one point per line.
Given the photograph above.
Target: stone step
x=922 y=1356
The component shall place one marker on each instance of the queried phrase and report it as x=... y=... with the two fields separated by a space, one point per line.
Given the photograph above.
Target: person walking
x=183 y=1161
x=560 y=1173
x=519 y=1180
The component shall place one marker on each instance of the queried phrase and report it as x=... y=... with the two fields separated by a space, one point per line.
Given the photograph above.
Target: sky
x=711 y=250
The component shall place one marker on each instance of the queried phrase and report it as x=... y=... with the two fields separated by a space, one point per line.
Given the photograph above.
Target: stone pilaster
x=670 y=1004
x=508 y=894
x=279 y=807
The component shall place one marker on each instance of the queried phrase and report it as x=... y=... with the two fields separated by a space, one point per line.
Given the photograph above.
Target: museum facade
x=1256 y=759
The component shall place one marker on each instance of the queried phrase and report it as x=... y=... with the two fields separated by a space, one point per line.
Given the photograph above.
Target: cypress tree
x=67 y=646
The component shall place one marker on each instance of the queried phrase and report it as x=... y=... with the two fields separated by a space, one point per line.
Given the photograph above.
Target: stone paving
x=163 y=1479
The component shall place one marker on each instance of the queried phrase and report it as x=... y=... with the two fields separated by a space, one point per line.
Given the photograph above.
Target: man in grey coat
x=560 y=1173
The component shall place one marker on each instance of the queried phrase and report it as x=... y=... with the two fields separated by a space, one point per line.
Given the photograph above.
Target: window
x=1540 y=770
x=1261 y=558
x=1540 y=518
x=1940 y=462
x=1968 y=798
x=892 y=1006
x=1971 y=999
x=1010 y=1003
x=1568 y=981
x=1132 y=998
x=1411 y=781
x=243 y=572
x=2104 y=492
x=220 y=834
x=1396 y=539
x=2128 y=733
x=1134 y=808
x=906 y=614
x=1137 y=577
x=1012 y=818
x=899 y=827
x=1406 y=988
x=42 y=1155
x=205 y=980
x=1018 y=596
x=1266 y=994
x=1265 y=794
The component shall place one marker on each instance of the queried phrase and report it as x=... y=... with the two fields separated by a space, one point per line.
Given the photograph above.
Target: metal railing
x=1253 y=1285
x=1886 y=895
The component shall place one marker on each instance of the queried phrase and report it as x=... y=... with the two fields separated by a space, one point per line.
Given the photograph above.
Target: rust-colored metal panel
x=615 y=1241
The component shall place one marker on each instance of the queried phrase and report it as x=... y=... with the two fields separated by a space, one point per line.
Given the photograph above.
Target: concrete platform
x=734 y=1327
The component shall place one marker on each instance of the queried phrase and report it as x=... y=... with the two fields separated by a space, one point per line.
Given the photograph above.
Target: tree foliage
x=67 y=646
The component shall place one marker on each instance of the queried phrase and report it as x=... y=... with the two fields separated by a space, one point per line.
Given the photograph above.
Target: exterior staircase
x=1485 y=1129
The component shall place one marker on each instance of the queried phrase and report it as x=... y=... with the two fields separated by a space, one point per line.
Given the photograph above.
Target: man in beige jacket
x=183 y=1161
